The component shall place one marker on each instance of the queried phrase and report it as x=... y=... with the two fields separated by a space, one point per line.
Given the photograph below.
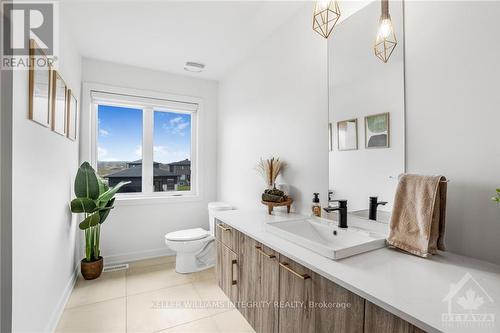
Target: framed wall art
x=39 y=86
x=59 y=104
x=377 y=133
x=347 y=134
x=72 y=116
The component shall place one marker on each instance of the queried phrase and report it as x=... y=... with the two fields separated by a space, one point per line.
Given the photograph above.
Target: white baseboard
x=58 y=311
x=135 y=256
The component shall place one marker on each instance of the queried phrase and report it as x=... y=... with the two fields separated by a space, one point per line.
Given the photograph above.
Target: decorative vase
x=91 y=269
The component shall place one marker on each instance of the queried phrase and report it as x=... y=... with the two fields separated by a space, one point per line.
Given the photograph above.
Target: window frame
x=148 y=102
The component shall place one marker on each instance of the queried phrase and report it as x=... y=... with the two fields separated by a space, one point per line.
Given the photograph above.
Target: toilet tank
x=212 y=208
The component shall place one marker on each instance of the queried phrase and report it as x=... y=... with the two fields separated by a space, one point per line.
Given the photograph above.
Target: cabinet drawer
x=296 y=291
x=227 y=271
x=227 y=235
x=378 y=320
x=343 y=311
x=259 y=283
x=322 y=306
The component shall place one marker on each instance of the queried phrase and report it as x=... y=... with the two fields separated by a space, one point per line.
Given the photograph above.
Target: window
x=119 y=146
x=148 y=141
x=171 y=151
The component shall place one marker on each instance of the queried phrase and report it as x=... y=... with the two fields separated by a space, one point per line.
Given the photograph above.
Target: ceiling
x=163 y=35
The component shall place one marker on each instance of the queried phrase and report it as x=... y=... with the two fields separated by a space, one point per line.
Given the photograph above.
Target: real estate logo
x=23 y=21
x=467 y=305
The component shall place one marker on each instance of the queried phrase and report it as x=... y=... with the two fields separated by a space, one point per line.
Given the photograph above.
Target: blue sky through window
x=120 y=135
x=172 y=137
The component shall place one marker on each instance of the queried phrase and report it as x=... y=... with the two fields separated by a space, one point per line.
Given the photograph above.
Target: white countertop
x=411 y=287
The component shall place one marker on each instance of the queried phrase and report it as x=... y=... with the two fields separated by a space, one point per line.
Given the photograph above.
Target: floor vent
x=113 y=268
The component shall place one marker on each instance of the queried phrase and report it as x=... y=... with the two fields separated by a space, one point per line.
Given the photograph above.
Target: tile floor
x=150 y=297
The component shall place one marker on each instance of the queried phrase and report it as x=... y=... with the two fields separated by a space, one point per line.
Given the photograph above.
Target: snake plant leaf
x=109 y=194
x=105 y=212
x=83 y=205
x=103 y=187
x=86 y=183
x=90 y=221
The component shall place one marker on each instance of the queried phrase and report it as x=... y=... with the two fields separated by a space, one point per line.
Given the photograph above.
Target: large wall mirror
x=366 y=112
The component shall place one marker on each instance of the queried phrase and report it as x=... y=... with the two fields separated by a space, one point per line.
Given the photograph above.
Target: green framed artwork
x=377 y=131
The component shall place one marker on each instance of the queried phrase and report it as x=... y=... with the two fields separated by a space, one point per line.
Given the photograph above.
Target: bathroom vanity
x=280 y=286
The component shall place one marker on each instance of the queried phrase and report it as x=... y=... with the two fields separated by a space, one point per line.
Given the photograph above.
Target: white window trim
x=145 y=98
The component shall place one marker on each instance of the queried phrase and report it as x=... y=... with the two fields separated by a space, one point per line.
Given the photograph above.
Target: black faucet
x=372 y=215
x=342 y=208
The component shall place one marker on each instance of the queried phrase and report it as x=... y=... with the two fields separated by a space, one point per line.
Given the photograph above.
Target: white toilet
x=195 y=248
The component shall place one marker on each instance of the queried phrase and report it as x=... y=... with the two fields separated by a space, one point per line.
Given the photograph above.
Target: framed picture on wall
x=72 y=116
x=59 y=104
x=39 y=86
x=377 y=133
x=347 y=134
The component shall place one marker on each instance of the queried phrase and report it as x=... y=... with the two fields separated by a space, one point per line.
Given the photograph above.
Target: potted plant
x=497 y=197
x=94 y=199
x=270 y=169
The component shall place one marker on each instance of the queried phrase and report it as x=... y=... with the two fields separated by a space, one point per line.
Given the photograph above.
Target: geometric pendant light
x=385 y=42
x=325 y=16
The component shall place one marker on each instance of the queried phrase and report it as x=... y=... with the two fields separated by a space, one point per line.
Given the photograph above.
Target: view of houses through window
x=120 y=143
x=171 y=151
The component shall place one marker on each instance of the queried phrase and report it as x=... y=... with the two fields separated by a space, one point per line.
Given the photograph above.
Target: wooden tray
x=270 y=205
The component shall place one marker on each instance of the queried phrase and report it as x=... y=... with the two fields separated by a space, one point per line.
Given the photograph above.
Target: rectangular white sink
x=326 y=238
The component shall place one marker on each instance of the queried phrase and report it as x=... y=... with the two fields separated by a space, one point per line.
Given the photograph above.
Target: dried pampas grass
x=270 y=169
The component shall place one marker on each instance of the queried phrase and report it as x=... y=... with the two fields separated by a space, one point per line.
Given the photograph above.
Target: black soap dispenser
x=316 y=207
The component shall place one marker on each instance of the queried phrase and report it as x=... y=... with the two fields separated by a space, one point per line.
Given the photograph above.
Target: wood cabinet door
x=250 y=263
x=322 y=306
x=378 y=320
x=227 y=271
x=296 y=291
x=228 y=236
x=336 y=309
x=268 y=313
x=259 y=287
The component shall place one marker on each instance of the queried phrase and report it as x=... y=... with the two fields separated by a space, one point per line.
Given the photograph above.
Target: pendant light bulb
x=323 y=4
x=385 y=42
x=325 y=16
x=385 y=29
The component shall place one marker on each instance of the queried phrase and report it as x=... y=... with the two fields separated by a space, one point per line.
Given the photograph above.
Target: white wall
x=275 y=103
x=44 y=233
x=136 y=230
x=453 y=117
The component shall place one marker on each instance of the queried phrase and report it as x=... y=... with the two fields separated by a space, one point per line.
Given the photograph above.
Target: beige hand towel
x=418 y=216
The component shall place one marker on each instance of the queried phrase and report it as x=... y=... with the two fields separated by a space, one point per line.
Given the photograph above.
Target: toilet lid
x=187 y=234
